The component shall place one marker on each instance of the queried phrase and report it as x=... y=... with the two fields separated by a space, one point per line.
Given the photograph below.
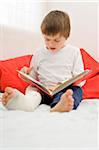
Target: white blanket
x=43 y=129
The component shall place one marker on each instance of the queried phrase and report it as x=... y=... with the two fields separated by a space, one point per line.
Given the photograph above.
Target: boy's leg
x=77 y=95
x=33 y=94
x=15 y=100
x=63 y=101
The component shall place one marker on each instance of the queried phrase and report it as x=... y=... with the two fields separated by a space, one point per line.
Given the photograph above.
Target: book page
x=79 y=77
x=34 y=82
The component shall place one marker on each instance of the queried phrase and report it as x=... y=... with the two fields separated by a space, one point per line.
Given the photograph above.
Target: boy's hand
x=26 y=70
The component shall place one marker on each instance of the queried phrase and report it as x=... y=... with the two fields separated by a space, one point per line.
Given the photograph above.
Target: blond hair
x=56 y=22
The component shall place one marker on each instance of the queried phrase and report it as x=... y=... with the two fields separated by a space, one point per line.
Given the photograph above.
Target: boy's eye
x=47 y=39
x=57 y=40
x=52 y=40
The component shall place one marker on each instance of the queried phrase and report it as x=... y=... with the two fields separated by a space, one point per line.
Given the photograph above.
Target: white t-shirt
x=53 y=67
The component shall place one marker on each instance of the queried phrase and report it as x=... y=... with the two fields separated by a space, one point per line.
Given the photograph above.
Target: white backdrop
x=20 y=25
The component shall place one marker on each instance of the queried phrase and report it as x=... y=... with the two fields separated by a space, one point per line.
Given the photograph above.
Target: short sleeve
x=78 y=66
x=34 y=64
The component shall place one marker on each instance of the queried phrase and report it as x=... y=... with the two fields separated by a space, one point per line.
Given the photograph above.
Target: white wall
x=20 y=27
x=23 y=18
x=17 y=42
x=22 y=14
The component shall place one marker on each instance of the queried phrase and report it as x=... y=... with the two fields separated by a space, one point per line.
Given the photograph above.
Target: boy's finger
x=29 y=70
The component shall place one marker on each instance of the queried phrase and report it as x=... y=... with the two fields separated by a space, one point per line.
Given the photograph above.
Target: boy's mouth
x=52 y=48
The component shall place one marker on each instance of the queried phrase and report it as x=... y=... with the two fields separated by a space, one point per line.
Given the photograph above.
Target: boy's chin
x=53 y=49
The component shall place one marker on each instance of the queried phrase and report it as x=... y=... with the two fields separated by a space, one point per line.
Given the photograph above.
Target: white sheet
x=42 y=129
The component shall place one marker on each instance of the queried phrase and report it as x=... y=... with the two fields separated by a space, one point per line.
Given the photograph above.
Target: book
x=76 y=79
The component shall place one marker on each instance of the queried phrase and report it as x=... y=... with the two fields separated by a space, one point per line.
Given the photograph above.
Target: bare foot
x=8 y=94
x=65 y=104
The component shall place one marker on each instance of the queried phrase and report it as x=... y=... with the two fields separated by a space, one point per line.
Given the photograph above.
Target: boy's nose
x=51 y=44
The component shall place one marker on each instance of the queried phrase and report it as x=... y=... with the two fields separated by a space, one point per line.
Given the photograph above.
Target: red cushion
x=8 y=73
x=9 y=77
x=91 y=87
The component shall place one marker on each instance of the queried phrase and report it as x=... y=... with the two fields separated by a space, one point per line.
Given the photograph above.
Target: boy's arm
x=78 y=66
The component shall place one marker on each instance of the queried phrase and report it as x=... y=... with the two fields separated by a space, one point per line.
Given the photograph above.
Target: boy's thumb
x=29 y=70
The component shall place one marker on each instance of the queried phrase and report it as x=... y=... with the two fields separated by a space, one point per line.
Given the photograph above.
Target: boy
x=52 y=64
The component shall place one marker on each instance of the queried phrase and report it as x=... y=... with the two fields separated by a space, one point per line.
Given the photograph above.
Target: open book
x=77 y=79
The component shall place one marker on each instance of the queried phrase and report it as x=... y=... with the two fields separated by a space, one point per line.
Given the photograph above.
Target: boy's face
x=54 y=43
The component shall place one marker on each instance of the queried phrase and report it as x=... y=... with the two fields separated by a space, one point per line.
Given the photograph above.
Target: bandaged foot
x=13 y=99
x=65 y=104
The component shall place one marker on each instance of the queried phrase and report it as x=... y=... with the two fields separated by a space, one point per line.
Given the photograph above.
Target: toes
x=69 y=92
x=8 y=90
x=10 y=96
x=7 y=95
x=4 y=99
x=4 y=96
